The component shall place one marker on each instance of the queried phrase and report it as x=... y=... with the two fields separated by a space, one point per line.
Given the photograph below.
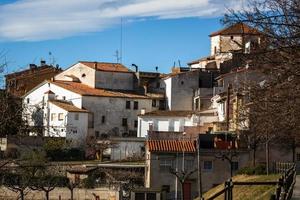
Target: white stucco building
x=88 y=100
x=172 y=121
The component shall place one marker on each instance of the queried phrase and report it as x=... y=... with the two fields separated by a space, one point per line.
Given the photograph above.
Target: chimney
x=95 y=65
x=136 y=67
x=32 y=66
x=43 y=62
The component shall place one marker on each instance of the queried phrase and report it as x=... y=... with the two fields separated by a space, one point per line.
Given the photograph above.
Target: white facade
x=83 y=73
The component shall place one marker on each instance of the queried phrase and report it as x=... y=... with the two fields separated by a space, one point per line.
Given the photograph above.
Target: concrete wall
x=231 y=42
x=114 y=80
x=167 y=123
x=85 y=74
x=64 y=194
x=114 y=109
x=214 y=42
x=127 y=148
x=179 y=90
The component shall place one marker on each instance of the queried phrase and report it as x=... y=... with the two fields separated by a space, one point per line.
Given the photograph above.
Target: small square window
x=60 y=116
x=103 y=119
x=136 y=105
x=153 y=103
x=53 y=116
x=135 y=123
x=127 y=104
x=207 y=165
x=298 y=157
x=124 y=121
x=235 y=166
x=76 y=116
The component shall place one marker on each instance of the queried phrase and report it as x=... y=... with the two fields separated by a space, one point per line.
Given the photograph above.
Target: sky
x=154 y=32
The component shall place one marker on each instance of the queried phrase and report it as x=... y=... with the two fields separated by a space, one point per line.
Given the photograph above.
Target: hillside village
x=179 y=131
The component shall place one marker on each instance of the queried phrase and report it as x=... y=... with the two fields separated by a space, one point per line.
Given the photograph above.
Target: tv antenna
x=121 y=40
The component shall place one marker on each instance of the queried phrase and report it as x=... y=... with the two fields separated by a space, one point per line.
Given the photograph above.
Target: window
x=60 y=116
x=64 y=97
x=97 y=134
x=91 y=120
x=127 y=104
x=124 y=121
x=235 y=166
x=215 y=50
x=197 y=104
x=103 y=119
x=189 y=165
x=207 y=165
x=298 y=157
x=76 y=116
x=231 y=37
x=28 y=100
x=136 y=105
x=74 y=131
x=165 y=165
x=182 y=82
x=153 y=103
x=135 y=123
x=53 y=116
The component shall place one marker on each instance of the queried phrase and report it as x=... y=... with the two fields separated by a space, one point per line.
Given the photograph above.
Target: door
x=187 y=191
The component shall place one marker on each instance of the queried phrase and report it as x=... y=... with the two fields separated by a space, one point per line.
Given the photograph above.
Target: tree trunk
x=182 y=190
x=254 y=157
x=47 y=195
x=22 y=194
x=72 y=190
x=267 y=157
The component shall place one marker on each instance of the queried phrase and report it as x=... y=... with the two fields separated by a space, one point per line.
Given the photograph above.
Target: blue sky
x=155 y=32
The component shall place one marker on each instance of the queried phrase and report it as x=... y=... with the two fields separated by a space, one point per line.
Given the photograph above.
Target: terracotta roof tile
x=238 y=28
x=104 y=66
x=67 y=106
x=171 y=146
x=85 y=90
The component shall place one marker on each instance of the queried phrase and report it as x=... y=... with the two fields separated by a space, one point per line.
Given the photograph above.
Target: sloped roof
x=85 y=90
x=171 y=146
x=170 y=113
x=207 y=58
x=105 y=66
x=67 y=106
x=238 y=28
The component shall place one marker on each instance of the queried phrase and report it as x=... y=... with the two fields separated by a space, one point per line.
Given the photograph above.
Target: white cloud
x=32 y=20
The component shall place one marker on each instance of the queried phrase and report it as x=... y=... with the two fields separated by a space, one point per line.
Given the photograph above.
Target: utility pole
x=199 y=169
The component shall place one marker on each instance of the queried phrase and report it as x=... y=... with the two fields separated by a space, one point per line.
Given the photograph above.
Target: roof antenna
x=121 y=41
x=117 y=55
x=174 y=64
x=179 y=63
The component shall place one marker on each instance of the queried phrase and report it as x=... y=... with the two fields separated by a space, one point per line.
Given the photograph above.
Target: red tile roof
x=171 y=146
x=104 y=66
x=238 y=28
x=67 y=106
x=85 y=90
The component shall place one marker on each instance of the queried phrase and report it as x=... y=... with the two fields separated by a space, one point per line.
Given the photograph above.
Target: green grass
x=259 y=192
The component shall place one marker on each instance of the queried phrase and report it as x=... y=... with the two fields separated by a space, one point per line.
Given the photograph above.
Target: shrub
x=258 y=170
x=72 y=154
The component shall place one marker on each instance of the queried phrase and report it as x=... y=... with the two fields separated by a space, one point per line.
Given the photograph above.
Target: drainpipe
x=227 y=106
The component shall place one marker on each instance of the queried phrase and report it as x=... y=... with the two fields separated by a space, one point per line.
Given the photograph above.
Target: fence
x=284 y=185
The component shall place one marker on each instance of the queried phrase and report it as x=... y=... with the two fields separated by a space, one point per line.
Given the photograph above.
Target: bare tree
x=273 y=107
